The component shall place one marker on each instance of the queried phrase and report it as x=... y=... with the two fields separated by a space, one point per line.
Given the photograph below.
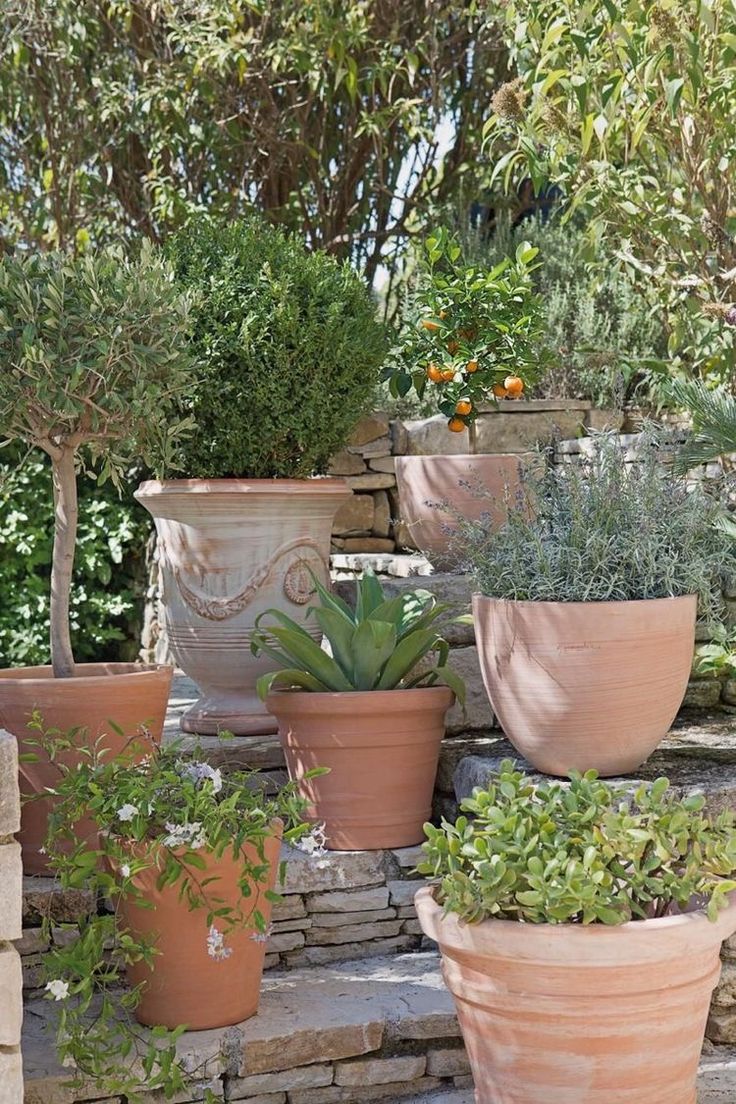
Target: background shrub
x=109 y=572
x=288 y=346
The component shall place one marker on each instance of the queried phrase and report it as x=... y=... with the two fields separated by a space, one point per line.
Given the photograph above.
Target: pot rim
x=345 y=700
x=518 y=456
x=311 y=485
x=582 y=932
x=529 y=603
x=46 y=675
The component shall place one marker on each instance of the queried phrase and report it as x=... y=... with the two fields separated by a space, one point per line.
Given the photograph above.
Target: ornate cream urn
x=228 y=550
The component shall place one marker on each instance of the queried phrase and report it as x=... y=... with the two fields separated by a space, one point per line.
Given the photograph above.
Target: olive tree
x=93 y=354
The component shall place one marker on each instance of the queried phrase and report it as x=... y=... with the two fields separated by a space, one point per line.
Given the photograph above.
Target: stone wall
x=371 y=520
x=11 y=996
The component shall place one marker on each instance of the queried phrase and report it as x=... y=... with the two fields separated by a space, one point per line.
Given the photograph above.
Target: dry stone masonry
x=11 y=993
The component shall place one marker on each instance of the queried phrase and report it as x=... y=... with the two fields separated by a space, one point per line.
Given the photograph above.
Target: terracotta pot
x=185 y=984
x=585 y=684
x=229 y=549
x=128 y=694
x=566 y=1014
x=381 y=748
x=423 y=480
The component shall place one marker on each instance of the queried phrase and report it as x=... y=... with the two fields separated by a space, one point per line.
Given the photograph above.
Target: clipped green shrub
x=288 y=348
x=109 y=579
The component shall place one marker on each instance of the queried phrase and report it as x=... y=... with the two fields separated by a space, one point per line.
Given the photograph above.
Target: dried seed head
x=663 y=25
x=509 y=101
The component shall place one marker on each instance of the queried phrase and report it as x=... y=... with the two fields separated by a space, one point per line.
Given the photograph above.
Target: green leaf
x=373 y=643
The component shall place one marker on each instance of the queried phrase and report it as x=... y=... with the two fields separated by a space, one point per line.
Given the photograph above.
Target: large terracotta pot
x=381 y=748
x=585 y=684
x=455 y=480
x=229 y=549
x=129 y=695
x=185 y=984
x=573 y=1014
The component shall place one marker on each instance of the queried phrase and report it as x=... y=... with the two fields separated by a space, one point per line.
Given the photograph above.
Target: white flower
x=185 y=835
x=125 y=870
x=314 y=842
x=127 y=812
x=58 y=989
x=203 y=772
x=262 y=937
x=216 y=945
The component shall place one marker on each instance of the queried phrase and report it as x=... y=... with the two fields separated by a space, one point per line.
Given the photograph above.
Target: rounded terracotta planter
x=128 y=695
x=426 y=481
x=228 y=550
x=567 y=1014
x=381 y=748
x=581 y=685
x=185 y=984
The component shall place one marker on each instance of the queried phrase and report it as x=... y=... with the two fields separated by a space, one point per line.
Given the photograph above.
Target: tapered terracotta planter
x=186 y=984
x=585 y=684
x=381 y=748
x=455 y=480
x=100 y=695
x=567 y=1014
x=230 y=549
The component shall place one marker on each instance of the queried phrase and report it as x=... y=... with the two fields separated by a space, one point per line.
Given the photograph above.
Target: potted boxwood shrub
x=372 y=712
x=93 y=358
x=586 y=603
x=580 y=930
x=476 y=339
x=187 y=857
x=289 y=347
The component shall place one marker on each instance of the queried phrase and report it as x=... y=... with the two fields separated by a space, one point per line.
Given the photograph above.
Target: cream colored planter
x=230 y=549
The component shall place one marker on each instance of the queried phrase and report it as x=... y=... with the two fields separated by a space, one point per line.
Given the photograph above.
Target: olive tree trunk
x=65 y=537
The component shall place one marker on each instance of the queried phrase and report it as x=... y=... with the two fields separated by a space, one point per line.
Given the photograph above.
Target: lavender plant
x=619 y=526
x=164 y=810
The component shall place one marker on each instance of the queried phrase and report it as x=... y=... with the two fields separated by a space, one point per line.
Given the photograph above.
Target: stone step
x=380 y=1029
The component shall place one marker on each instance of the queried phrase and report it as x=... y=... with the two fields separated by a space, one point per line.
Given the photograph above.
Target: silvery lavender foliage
x=606 y=529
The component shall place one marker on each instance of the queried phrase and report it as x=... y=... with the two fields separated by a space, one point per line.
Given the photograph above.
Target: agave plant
x=382 y=644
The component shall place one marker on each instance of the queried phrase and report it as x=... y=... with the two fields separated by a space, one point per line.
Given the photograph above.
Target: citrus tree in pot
x=580 y=929
x=476 y=340
x=372 y=712
x=187 y=861
x=93 y=354
x=586 y=603
x=288 y=348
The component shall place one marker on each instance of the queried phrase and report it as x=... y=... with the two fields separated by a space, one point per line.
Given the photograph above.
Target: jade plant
x=163 y=812
x=381 y=644
x=477 y=335
x=586 y=852
x=93 y=352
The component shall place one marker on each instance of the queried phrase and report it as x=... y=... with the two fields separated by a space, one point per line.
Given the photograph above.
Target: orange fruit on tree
x=471 y=366
x=499 y=391
x=514 y=386
x=456 y=425
x=448 y=373
x=464 y=406
x=430 y=324
x=434 y=373
x=443 y=314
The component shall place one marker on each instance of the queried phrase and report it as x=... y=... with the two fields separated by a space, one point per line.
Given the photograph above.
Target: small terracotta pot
x=567 y=1014
x=423 y=480
x=230 y=549
x=129 y=695
x=185 y=984
x=381 y=748
x=585 y=684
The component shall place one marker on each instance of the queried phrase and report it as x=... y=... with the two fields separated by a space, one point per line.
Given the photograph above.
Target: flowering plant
x=478 y=334
x=165 y=810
